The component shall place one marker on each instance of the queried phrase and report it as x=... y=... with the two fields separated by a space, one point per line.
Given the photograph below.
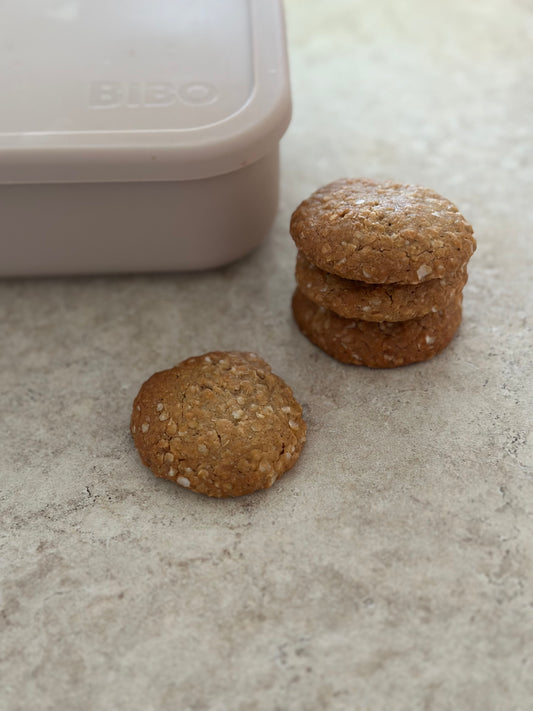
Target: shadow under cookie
x=376 y=344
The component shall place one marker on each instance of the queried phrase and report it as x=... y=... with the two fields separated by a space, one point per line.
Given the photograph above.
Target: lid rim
x=131 y=163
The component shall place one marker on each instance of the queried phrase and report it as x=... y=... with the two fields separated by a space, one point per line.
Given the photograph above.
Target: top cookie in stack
x=380 y=271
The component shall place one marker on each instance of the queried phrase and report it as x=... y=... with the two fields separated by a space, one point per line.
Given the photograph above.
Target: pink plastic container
x=138 y=136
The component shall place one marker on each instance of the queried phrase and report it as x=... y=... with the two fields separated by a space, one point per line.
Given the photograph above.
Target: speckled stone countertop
x=392 y=568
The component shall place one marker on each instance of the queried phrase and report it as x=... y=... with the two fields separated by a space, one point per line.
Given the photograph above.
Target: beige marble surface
x=392 y=569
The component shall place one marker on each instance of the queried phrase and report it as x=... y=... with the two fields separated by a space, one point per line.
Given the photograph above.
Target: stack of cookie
x=380 y=271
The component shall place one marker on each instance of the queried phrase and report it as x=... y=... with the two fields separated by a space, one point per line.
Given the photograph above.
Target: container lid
x=128 y=90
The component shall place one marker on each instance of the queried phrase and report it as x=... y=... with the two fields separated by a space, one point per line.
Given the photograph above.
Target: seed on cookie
x=382 y=233
x=236 y=426
x=376 y=344
x=376 y=302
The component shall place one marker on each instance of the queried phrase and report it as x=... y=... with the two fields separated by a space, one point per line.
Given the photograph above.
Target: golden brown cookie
x=381 y=233
x=221 y=424
x=376 y=302
x=376 y=345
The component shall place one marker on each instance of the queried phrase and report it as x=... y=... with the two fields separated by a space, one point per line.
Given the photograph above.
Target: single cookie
x=221 y=424
x=376 y=302
x=381 y=233
x=376 y=345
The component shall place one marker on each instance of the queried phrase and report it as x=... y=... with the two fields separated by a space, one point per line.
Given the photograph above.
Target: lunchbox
x=138 y=136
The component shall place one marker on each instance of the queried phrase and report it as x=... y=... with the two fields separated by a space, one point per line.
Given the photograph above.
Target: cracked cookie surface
x=376 y=345
x=221 y=424
x=376 y=302
x=381 y=233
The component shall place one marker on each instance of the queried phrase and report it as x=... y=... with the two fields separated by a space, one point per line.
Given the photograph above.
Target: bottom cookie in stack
x=377 y=344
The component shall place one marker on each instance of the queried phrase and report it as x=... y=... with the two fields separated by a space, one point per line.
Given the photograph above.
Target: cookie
x=221 y=424
x=376 y=345
x=376 y=302
x=382 y=233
